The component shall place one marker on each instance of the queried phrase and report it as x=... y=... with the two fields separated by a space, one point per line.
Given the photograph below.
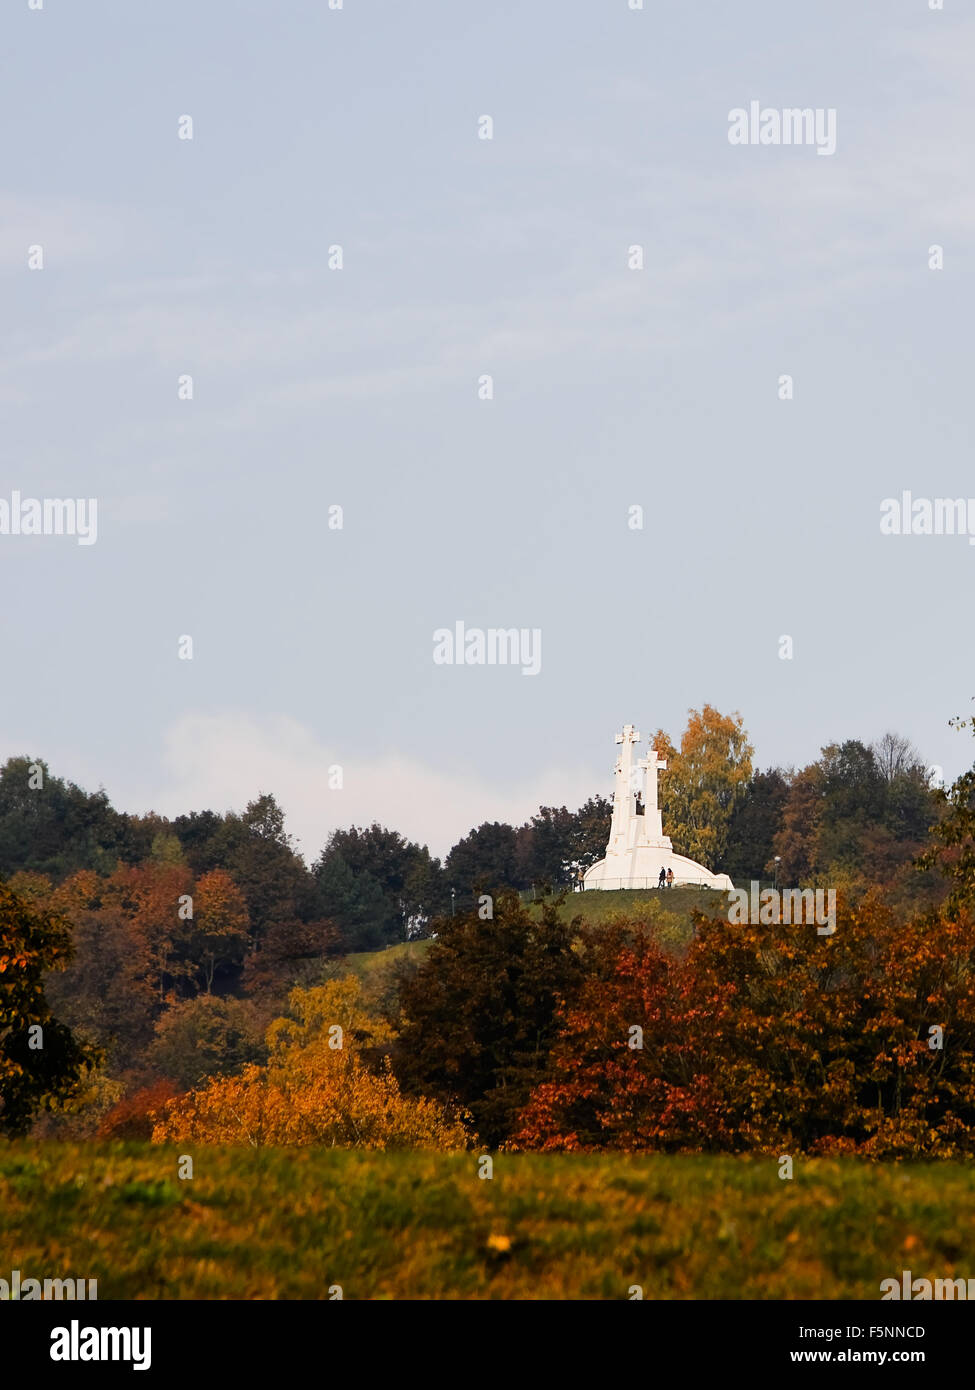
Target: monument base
x=640 y=868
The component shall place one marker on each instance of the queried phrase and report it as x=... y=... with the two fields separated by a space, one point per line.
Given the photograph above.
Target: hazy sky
x=359 y=387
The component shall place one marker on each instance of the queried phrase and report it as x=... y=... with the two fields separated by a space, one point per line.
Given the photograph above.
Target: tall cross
x=623 y=795
x=651 y=765
x=624 y=764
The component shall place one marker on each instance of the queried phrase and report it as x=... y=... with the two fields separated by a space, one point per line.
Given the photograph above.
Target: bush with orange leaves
x=315 y=1089
x=770 y=1038
x=132 y=1116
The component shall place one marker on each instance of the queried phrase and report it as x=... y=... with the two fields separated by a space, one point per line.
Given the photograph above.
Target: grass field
x=292 y=1223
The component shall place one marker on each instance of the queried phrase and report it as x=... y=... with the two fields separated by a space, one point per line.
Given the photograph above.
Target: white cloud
x=220 y=762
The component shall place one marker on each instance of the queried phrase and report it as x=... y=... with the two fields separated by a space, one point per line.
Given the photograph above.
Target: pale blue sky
x=358 y=387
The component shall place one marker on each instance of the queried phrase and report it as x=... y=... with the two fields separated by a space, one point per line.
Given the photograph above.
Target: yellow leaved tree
x=316 y=1088
x=704 y=782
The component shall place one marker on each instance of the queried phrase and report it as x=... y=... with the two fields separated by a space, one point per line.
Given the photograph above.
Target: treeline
x=369 y=887
x=859 y=812
x=186 y=935
x=536 y=1030
x=223 y=904
x=183 y=939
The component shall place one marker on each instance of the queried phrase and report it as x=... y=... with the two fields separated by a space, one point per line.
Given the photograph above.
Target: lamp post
x=778 y=861
x=453 y=895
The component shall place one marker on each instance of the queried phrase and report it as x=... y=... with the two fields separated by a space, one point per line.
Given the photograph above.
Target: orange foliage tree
x=132 y=1116
x=771 y=1038
x=628 y=1070
x=315 y=1090
x=216 y=934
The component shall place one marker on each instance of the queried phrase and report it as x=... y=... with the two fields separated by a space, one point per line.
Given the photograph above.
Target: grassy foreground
x=280 y=1223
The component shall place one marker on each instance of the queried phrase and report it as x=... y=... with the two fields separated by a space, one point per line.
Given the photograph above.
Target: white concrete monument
x=638 y=848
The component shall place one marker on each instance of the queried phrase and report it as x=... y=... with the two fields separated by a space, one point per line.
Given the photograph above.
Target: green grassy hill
x=364 y=962
x=597 y=906
x=276 y=1223
x=668 y=910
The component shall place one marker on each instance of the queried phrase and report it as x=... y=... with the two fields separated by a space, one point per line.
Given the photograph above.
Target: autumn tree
x=203 y=1037
x=797 y=838
x=133 y=951
x=217 y=932
x=107 y=991
x=149 y=896
x=628 y=1069
x=704 y=782
x=315 y=1090
x=856 y=815
x=314 y=1013
x=133 y=1115
x=772 y=1038
x=479 y=1014
x=260 y=856
x=31 y=887
x=41 y=1062
x=292 y=953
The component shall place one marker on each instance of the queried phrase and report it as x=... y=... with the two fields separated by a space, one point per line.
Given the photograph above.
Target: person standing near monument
x=670 y=878
x=663 y=878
